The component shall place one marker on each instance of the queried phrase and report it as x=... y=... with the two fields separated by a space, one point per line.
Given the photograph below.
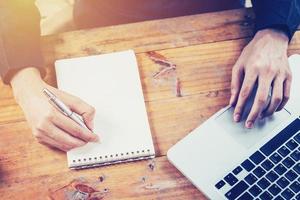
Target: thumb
x=80 y=107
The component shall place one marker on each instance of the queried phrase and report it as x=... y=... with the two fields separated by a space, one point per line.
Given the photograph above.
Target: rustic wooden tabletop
x=202 y=47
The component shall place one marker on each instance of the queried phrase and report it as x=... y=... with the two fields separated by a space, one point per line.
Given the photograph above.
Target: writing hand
x=49 y=125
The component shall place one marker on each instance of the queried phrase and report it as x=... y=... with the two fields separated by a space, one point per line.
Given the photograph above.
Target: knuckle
x=272 y=71
x=52 y=134
x=245 y=92
x=255 y=67
x=289 y=75
x=40 y=141
x=38 y=135
x=235 y=69
x=233 y=91
x=50 y=115
x=41 y=125
x=261 y=101
x=65 y=147
x=269 y=71
x=238 y=109
x=77 y=131
x=277 y=99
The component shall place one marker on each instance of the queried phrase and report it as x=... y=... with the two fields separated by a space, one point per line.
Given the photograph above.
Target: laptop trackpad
x=249 y=137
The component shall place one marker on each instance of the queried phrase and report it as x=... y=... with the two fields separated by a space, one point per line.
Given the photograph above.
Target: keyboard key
x=288 y=162
x=263 y=183
x=266 y=196
x=259 y=172
x=245 y=196
x=279 y=198
x=248 y=165
x=250 y=179
x=274 y=189
x=272 y=176
x=267 y=165
x=255 y=190
x=296 y=155
x=276 y=158
x=297 y=169
x=291 y=175
x=298 y=197
x=297 y=137
x=281 y=138
x=283 y=182
x=257 y=157
x=295 y=187
x=220 y=184
x=284 y=151
x=237 y=170
x=292 y=144
x=287 y=194
x=237 y=190
x=230 y=179
x=280 y=169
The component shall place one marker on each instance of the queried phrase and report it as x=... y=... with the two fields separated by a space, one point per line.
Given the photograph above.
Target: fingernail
x=237 y=117
x=249 y=124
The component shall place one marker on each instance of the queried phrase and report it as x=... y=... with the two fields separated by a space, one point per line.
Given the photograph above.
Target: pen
x=64 y=108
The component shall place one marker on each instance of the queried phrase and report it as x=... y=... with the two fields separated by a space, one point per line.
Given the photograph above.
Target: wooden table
x=203 y=47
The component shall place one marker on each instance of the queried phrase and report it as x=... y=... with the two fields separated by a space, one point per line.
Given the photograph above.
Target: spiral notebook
x=110 y=83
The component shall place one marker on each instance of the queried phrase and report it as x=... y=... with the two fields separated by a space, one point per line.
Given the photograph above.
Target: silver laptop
x=227 y=161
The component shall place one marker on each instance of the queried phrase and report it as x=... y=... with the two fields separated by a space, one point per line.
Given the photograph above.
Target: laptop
x=224 y=160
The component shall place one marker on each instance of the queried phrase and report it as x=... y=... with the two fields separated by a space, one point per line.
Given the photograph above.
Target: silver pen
x=64 y=108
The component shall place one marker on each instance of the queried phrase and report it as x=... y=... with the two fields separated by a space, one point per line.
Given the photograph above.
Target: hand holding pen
x=49 y=125
x=78 y=119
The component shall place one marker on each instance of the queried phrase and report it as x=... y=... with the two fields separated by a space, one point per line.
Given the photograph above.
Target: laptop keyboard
x=272 y=172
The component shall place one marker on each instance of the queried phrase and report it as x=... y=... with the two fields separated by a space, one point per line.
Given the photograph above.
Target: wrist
x=273 y=35
x=25 y=82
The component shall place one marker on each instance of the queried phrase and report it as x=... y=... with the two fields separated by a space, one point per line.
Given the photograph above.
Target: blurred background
x=57 y=15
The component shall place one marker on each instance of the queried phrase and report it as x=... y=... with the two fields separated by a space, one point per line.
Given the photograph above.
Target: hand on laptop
x=264 y=60
x=50 y=126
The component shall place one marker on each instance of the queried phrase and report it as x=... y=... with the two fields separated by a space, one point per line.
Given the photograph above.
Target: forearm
x=34 y=83
x=19 y=38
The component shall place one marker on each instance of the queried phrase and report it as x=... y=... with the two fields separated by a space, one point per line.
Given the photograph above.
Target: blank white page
x=111 y=83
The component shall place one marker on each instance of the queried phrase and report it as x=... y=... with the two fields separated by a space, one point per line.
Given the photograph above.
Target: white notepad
x=111 y=83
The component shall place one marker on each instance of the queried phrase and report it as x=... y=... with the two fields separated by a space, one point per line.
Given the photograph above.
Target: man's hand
x=263 y=60
x=49 y=125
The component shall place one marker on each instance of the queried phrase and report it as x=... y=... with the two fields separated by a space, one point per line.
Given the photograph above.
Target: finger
x=71 y=127
x=80 y=107
x=277 y=93
x=286 y=93
x=63 y=138
x=259 y=101
x=236 y=82
x=247 y=87
x=53 y=144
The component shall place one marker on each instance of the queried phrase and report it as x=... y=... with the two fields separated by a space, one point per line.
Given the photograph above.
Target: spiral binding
x=111 y=158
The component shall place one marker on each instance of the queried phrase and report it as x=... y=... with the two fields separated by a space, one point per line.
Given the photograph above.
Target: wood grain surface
x=202 y=47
